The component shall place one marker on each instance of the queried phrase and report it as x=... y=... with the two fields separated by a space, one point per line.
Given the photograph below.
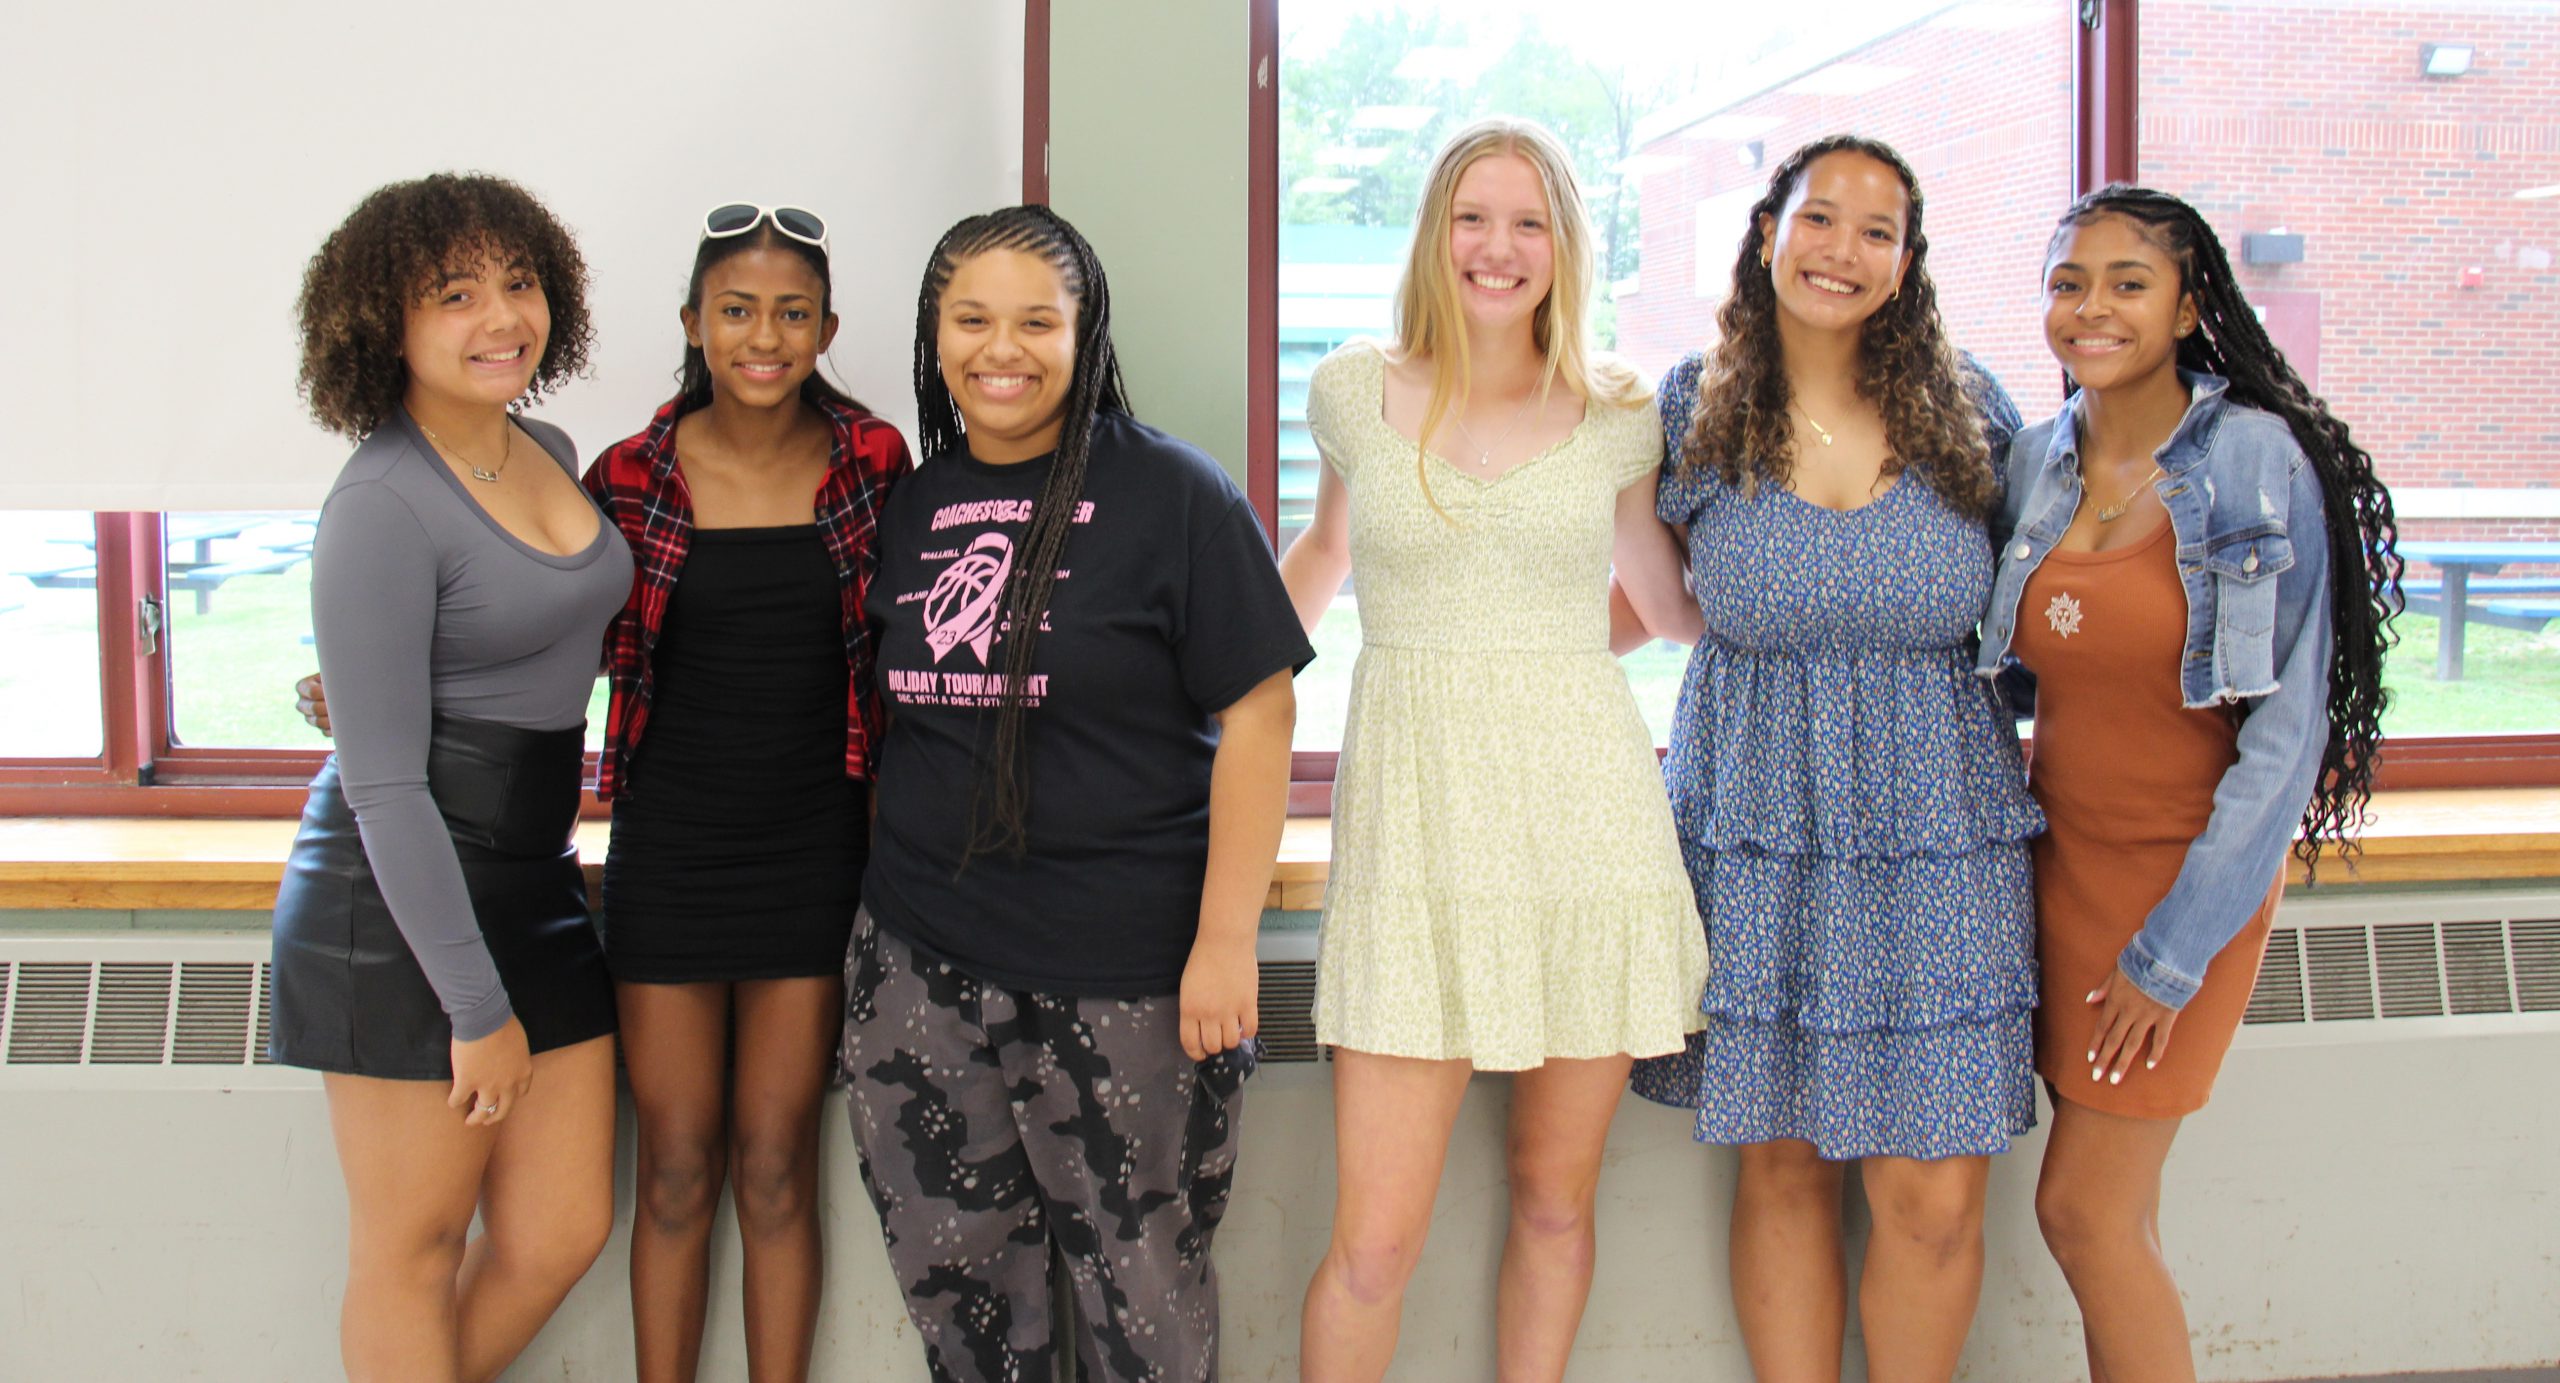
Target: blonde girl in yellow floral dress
x=1507 y=891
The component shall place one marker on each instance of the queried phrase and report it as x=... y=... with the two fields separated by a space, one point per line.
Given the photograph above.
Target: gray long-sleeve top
x=421 y=603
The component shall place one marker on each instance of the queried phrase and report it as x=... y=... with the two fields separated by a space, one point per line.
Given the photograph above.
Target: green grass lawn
x=2510 y=682
x=234 y=666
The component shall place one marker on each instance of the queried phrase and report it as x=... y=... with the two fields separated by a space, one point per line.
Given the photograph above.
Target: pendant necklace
x=484 y=476
x=1484 y=454
x=1817 y=427
x=2112 y=512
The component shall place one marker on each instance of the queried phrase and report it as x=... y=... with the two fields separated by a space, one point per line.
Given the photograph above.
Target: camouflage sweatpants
x=994 y=1123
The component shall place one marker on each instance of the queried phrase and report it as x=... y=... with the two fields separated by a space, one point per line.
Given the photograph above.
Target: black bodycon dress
x=738 y=840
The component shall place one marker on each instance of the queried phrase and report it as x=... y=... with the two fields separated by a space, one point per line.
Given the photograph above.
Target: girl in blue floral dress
x=1848 y=794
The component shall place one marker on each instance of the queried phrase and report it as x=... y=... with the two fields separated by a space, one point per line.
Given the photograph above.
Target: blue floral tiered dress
x=1854 y=818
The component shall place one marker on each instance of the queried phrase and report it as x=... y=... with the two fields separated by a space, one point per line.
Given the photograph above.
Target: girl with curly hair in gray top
x=433 y=953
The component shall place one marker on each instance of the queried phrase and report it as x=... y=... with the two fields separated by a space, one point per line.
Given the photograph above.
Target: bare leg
x=786 y=1050
x=413 y=1175
x=677 y=1040
x=1391 y=1121
x=546 y=1207
x=1559 y=1127
x=1789 y=1287
x=2098 y=1202
x=1923 y=1275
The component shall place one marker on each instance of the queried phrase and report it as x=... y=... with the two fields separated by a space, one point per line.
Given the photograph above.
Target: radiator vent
x=138 y=1003
x=49 y=1013
x=134 y=1013
x=215 y=1012
x=2278 y=997
x=2408 y=970
x=2537 y=948
x=2343 y=972
x=2475 y=965
x=1288 y=1011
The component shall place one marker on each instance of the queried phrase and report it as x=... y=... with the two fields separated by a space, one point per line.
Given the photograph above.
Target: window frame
x=2106 y=147
x=139 y=771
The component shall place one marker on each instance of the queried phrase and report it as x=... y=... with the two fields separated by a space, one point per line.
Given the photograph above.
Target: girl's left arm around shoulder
x=2257 y=806
x=1248 y=802
x=1648 y=571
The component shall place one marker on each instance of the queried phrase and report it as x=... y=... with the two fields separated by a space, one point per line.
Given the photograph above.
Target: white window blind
x=172 y=166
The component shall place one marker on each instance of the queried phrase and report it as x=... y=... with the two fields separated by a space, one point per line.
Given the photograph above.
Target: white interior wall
x=2361 y=1197
x=173 y=165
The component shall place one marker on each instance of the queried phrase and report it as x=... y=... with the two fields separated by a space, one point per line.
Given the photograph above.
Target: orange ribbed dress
x=2125 y=775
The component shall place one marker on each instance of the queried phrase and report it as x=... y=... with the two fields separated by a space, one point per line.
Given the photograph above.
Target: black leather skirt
x=349 y=996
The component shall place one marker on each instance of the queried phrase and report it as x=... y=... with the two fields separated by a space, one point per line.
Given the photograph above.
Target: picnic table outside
x=2527 y=603
x=275 y=542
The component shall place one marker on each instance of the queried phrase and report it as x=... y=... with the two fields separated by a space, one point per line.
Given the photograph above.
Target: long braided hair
x=1905 y=366
x=2364 y=562
x=693 y=377
x=1000 y=809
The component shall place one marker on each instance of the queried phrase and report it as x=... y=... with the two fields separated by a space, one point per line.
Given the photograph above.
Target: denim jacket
x=2253 y=557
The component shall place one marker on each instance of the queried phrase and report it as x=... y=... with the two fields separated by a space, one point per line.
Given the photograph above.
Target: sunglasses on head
x=738 y=218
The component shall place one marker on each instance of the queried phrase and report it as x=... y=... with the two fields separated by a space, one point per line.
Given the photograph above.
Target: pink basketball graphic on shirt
x=961 y=607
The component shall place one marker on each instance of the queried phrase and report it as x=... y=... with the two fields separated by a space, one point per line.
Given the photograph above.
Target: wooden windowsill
x=125 y=863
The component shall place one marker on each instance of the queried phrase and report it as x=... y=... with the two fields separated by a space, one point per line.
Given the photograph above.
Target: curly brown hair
x=398 y=243
x=1905 y=366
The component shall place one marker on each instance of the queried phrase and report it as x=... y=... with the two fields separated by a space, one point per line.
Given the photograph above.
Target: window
x=238 y=612
x=186 y=689
x=1674 y=113
x=2392 y=210
x=2379 y=171
x=50 y=694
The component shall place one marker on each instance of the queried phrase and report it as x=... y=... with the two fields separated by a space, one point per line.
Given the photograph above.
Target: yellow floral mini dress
x=1507 y=886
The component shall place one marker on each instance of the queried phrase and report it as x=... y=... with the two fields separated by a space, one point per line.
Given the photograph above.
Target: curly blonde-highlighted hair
x=1431 y=323
x=1905 y=366
x=396 y=244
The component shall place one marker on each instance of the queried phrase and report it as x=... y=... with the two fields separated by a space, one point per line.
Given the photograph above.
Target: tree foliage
x=1591 y=107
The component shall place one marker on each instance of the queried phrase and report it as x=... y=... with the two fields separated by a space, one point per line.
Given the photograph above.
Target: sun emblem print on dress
x=2064 y=615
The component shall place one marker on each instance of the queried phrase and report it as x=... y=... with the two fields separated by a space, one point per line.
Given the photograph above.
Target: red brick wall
x=1985 y=120
x=2317 y=120
x=2312 y=118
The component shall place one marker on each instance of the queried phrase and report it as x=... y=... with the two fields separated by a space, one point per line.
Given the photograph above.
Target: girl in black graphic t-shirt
x=1085 y=654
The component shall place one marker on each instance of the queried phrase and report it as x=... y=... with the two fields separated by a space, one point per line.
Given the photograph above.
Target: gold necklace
x=2117 y=510
x=1817 y=427
x=485 y=477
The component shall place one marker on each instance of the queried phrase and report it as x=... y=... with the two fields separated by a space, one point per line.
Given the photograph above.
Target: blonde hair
x=1429 y=321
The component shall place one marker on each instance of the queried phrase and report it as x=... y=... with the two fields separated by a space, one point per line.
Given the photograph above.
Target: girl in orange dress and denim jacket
x=2201 y=645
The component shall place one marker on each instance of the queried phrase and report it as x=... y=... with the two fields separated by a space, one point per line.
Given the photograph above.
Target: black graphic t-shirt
x=1167 y=608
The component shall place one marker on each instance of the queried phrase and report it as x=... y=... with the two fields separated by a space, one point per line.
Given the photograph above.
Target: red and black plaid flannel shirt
x=641 y=491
